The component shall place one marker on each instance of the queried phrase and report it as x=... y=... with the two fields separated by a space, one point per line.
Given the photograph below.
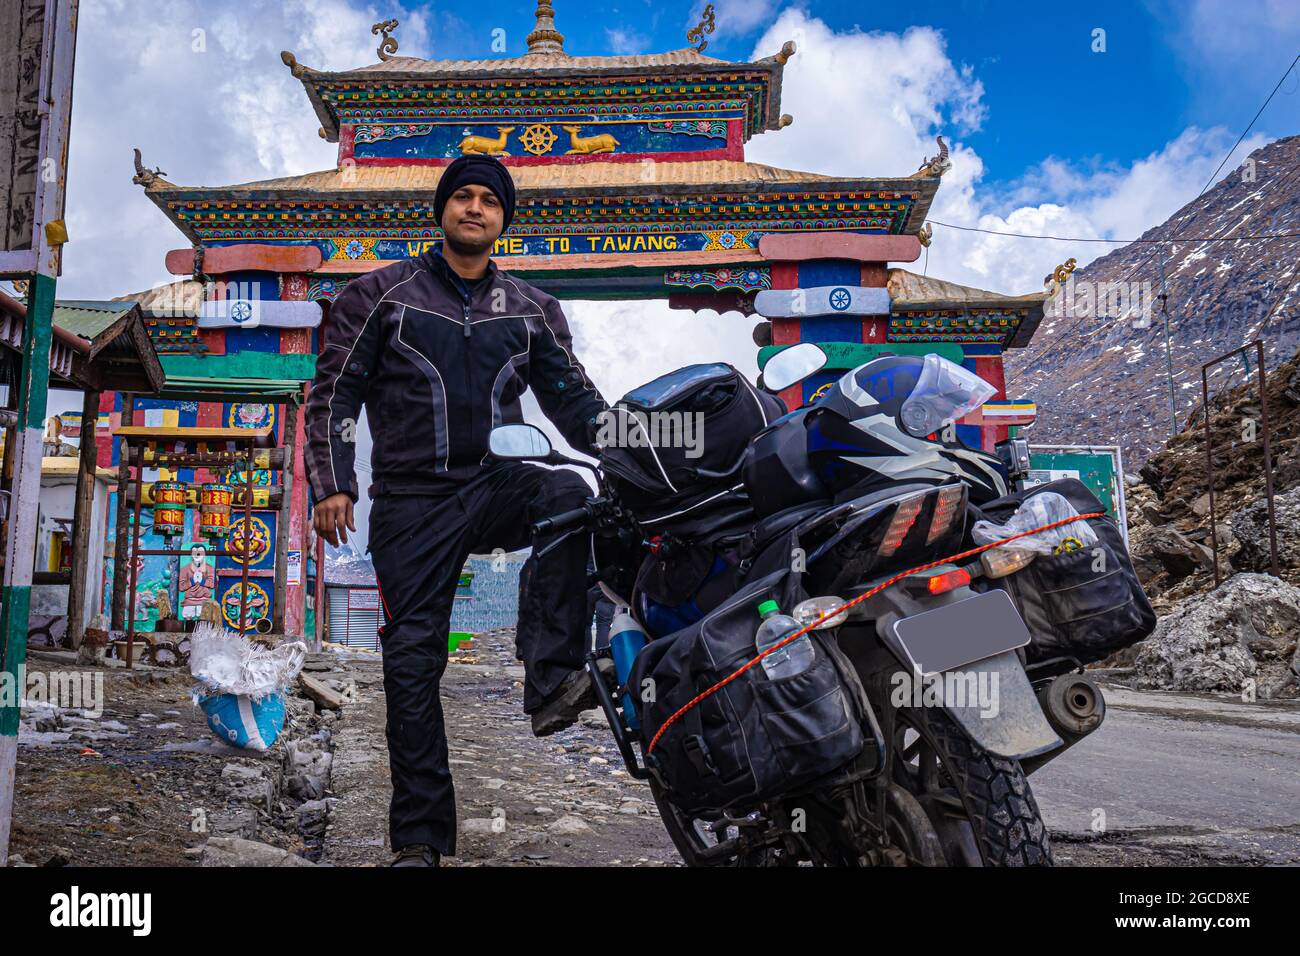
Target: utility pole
x=1169 y=356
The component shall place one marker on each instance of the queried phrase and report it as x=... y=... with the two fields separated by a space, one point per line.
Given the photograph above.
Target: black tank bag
x=678 y=444
x=755 y=738
x=1084 y=604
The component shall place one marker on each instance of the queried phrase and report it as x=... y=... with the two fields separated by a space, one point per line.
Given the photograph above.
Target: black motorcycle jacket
x=437 y=364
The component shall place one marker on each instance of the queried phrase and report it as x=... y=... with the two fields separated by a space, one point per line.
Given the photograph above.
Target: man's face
x=472 y=219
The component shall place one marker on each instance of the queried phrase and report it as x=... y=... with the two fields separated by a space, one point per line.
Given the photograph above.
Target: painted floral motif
x=745 y=280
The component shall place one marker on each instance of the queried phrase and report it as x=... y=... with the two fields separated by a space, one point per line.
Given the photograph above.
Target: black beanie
x=481 y=171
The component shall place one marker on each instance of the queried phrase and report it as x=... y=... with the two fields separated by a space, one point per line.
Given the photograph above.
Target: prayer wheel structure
x=169 y=507
x=214 y=510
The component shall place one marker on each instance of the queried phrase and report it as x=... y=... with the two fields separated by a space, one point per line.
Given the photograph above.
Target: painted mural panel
x=412 y=142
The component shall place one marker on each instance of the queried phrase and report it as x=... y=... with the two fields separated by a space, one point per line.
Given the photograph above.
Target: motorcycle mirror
x=791 y=365
x=519 y=442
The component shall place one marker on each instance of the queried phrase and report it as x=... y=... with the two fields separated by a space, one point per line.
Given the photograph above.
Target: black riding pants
x=418 y=544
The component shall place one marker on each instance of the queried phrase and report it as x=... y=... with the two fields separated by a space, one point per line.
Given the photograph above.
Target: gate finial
x=545 y=38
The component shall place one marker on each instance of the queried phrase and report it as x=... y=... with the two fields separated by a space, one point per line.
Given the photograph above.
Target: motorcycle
x=940 y=779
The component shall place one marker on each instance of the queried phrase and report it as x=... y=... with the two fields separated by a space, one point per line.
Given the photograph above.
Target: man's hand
x=332 y=515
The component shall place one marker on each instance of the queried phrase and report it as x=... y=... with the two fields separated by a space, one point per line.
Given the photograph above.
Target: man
x=439 y=350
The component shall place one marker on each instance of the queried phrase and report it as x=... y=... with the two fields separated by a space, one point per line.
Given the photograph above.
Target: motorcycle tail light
x=904 y=517
x=945 y=510
x=948 y=581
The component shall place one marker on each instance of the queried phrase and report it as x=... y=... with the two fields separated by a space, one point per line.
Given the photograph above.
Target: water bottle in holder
x=625 y=641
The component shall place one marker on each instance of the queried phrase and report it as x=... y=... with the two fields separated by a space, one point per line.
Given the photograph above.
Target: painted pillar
x=20 y=550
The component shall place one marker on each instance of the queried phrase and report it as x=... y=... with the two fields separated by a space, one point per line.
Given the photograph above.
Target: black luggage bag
x=754 y=738
x=1083 y=604
x=679 y=445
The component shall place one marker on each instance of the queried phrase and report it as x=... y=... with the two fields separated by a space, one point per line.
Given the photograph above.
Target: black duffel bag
x=755 y=738
x=1084 y=604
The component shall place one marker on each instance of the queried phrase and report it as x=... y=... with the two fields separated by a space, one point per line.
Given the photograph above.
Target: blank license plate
x=958 y=634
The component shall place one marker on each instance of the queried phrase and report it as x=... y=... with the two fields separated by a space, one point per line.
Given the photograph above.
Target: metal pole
x=1209 y=468
x=1268 y=461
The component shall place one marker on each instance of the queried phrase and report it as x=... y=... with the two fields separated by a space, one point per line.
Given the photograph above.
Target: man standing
x=439 y=350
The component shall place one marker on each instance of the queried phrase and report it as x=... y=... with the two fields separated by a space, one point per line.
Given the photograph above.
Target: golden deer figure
x=486 y=145
x=604 y=143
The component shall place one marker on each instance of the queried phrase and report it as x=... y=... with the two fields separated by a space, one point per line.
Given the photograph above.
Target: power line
x=1291 y=175
x=1123 y=242
x=1252 y=123
x=1207 y=185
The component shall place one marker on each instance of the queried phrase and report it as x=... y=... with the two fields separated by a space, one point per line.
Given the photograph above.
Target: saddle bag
x=1085 y=604
x=754 y=738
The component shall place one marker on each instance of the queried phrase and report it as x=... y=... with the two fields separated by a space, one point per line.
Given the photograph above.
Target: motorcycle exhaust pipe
x=1075 y=707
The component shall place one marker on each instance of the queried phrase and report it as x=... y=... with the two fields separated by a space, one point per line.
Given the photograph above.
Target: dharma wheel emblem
x=840 y=299
x=241 y=312
x=538 y=139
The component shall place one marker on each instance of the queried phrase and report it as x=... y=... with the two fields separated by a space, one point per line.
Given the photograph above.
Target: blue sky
x=1167 y=64
x=1047 y=136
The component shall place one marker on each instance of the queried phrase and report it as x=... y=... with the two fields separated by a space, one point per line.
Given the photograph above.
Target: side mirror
x=519 y=442
x=792 y=365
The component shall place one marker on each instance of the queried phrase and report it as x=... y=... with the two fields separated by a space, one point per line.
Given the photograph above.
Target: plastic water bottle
x=795 y=657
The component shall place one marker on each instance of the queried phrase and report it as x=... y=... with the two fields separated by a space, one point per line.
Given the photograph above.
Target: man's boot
x=417 y=854
x=563 y=705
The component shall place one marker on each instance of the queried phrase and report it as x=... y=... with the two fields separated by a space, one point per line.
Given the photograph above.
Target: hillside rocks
x=1100 y=377
x=1250 y=528
x=1243 y=630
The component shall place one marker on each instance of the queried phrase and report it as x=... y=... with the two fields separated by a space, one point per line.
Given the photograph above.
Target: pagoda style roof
x=923 y=306
x=464 y=87
x=549 y=64
x=909 y=290
x=423 y=179
x=398 y=200
x=96 y=345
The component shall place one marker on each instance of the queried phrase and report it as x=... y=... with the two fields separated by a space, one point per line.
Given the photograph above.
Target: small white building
x=54 y=545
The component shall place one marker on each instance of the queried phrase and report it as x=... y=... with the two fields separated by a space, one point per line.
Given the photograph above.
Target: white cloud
x=865 y=104
x=735 y=17
x=869 y=104
x=200 y=88
x=623 y=41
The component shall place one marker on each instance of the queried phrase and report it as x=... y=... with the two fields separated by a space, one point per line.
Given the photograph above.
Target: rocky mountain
x=1097 y=366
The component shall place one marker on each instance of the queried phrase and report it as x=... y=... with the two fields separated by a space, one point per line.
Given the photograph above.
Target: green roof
x=88 y=318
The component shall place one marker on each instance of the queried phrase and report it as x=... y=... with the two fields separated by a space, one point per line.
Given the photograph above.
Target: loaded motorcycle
x=849 y=741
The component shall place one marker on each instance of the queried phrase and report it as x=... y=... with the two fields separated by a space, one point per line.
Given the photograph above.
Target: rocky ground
x=1238 y=637
x=146 y=782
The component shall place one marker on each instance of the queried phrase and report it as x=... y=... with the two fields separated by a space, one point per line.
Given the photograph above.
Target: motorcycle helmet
x=881 y=424
x=898 y=410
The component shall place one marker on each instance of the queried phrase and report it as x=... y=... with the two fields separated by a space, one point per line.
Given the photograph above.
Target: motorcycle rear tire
x=999 y=804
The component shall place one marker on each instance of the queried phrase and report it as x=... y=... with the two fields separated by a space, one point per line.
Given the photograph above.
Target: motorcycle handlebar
x=565 y=521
